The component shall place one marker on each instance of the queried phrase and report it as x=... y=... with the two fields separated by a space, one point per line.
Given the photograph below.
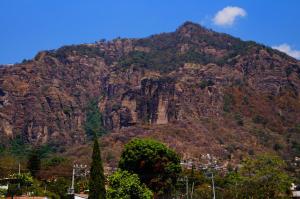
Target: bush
x=53 y=161
x=19 y=147
x=25 y=179
x=239 y=119
x=59 y=186
x=277 y=147
x=228 y=102
x=34 y=162
x=296 y=147
x=124 y=185
x=260 y=177
x=93 y=124
x=258 y=119
x=82 y=50
x=206 y=83
x=3 y=193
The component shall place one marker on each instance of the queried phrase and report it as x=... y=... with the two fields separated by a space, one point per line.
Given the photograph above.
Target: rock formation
x=219 y=88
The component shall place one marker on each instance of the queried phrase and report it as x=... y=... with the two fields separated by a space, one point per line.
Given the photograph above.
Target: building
x=80 y=196
x=295 y=191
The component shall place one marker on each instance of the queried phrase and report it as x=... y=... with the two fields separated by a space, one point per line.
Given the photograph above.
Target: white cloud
x=288 y=50
x=228 y=15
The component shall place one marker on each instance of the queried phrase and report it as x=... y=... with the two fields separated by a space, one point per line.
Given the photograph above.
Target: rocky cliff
x=195 y=89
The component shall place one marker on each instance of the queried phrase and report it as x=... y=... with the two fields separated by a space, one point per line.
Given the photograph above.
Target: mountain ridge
x=206 y=89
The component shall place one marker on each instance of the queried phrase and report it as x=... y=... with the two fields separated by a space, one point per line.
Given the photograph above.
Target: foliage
x=34 y=162
x=82 y=185
x=258 y=119
x=93 y=124
x=44 y=150
x=59 y=186
x=277 y=147
x=13 y=189
x=36 y=189
x=239 y=119
x=157 y=165
x=81 y=50
x=228 y=102
x=25 y=179
x=193 y=56
x=19 y=147
x=26 y=184
x=96 y=183
x=164 y=51
x=263 y=177
x=3 y=193
x=196 y=181
x=203 y=191
x=296 y=147
x=8 y=164
x=53 y=161
x=23 y=184
x=124 y=185
x=206 y=83
x=165 y=60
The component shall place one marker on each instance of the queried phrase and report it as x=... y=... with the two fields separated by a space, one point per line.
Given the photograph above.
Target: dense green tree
x=203 y=191
x=34 y=162
x=93 y=124
x=25 y=179
x=3 y=193
x=59 y=186
x=97 y=179
x=124 y=185
x=262 y=177
x=18 y=147
x=156 y=165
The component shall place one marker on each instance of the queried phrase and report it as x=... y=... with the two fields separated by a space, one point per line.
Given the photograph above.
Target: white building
x=80 y=196
x=295 y=191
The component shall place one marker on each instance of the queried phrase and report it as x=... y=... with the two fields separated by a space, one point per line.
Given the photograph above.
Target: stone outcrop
x=184 y=77
x=152 y=102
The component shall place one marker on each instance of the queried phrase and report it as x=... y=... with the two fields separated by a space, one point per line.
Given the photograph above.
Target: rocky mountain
x=195 y=89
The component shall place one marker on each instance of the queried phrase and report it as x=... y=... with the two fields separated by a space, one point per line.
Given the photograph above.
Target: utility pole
x=192 y=192
x=71 y=189
x=78 y=170
x=73 y=179
x=187 y=187
x=19 y=185
x=213 y=185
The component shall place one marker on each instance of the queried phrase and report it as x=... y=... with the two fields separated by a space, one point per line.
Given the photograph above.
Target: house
x=5 y=187
x=295 y=191
x=80 y=196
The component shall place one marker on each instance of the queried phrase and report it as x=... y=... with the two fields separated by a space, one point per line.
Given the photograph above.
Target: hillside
x=197 y=90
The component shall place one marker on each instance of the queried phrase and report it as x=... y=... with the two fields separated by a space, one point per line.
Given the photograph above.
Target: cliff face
x=210 y=86
x=152 y=102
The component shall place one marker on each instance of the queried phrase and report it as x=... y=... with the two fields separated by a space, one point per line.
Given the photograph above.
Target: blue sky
x=29 y=26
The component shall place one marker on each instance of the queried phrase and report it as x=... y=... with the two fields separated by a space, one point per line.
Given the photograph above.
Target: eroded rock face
x=44 y=101
x=185 y=77
x=152 y=102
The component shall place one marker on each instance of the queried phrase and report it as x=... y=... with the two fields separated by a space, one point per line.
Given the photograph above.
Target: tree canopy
x=97 y=180
x=156 y=165
x=262 y=177
x=124 y=185
x=34 y=162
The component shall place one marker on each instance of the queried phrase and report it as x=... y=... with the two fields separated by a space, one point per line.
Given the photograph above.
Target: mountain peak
x=172 y=82
x=189 y=26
